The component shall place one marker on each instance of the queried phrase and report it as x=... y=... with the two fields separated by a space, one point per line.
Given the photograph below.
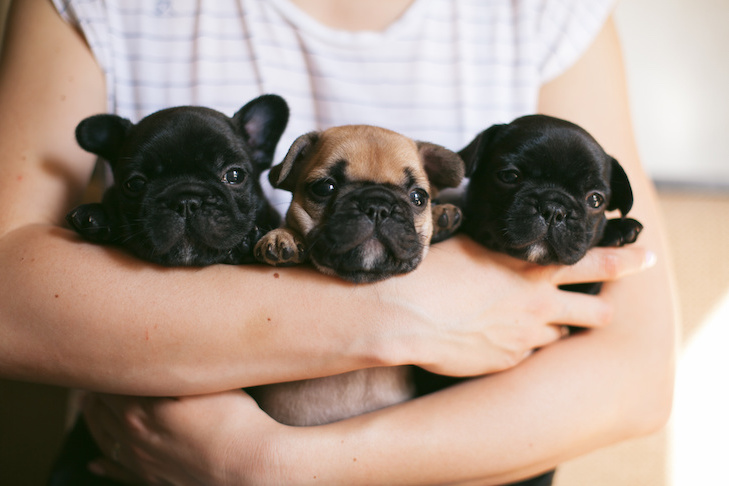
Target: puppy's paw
x=447 y=218
x=91 y=222
x=280 y=247
x=620 y=232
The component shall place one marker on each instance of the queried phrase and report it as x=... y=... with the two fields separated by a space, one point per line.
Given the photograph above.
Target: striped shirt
x=445 y=70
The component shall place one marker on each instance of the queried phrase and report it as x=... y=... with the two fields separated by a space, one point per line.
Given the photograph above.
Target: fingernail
x=650 y=259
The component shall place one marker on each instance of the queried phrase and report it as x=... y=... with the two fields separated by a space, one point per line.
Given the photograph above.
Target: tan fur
x=373 y=154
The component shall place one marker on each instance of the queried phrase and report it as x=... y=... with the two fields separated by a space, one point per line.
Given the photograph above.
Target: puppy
x=186 y=182
x=361 y=205
x=539 y=189
x=361 y=210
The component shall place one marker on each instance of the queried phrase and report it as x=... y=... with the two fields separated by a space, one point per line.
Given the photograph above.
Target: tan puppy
x=361 y=210
x=361 y=205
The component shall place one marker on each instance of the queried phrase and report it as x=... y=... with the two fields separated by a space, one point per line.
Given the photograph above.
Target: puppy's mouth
x=538 y=230
x=367 y=241
x=191 y=227
x=539 y=240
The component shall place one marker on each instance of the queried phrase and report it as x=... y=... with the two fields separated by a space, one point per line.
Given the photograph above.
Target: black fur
x=186 y=182
x=539 y=189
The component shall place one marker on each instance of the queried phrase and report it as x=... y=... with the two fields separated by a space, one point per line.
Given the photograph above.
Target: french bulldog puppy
x=186 y=182
x=539 y=189
x=361 y=210
x=361 y=205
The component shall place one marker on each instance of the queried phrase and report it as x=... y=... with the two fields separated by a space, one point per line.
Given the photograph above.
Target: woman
x=77 y=315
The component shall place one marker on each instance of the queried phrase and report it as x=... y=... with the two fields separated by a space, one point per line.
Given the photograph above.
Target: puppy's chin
x=530 y=240
x=542 y=253
x=166 y=238
x=368 y=267
x=538 y=243
x=369 y=261
x=364 y=253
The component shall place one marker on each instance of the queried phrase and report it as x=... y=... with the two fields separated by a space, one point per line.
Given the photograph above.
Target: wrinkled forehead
x=371 y=154
x=185 y=142
x=570 y=160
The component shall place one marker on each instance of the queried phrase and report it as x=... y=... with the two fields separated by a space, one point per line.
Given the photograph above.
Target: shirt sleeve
x=564 y=31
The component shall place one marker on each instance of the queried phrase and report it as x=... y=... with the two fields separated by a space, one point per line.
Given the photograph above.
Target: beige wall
x=677 y=56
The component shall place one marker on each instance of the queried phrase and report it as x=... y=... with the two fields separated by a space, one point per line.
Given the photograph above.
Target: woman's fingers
x=604 y=264
x=104 y=420
x=582 y=310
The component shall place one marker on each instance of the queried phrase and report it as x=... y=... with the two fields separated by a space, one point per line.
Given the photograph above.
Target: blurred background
x=677 y=55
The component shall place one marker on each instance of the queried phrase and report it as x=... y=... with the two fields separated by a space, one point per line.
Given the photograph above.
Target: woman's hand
x=493 y=310
x=181 y=441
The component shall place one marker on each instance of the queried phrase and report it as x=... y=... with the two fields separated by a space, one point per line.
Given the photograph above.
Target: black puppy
x=186 y=193
x=186 y=182
x=539 y=189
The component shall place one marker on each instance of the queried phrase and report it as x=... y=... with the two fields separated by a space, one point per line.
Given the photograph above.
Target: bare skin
x=188 y=332
x=370 y=15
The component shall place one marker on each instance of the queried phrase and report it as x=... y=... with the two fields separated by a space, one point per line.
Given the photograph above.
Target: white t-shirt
x=444 y=71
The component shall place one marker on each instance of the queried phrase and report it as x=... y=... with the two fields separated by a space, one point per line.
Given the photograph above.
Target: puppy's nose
x=377 y=210
x=186 y=206
x=553 y=213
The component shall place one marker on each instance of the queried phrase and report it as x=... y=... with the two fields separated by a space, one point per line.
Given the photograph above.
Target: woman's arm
x=92 y=317
x=582 y=393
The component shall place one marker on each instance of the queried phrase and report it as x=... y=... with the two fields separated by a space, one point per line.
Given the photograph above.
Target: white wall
x=677 y=56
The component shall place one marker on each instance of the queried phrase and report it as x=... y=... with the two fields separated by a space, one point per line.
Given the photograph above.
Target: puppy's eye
x=419 y=197
x=595 y=200
x=234 y=176
x=323 y=188
x=508 y=176
x=135 y=185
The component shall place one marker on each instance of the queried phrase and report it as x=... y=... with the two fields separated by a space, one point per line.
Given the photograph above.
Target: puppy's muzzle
x=369 y=235
x=553 y=213
x=547 y=210
x=185 y=205
x=547 y=226
x=376 y=203
x=195 y=214
x=186 y=200
x=377 y=210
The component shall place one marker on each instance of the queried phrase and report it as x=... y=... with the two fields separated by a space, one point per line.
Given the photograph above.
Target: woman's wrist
x=271 y=457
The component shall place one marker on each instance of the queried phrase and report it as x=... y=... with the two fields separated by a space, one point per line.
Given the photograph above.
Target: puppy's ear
x=262 y=121
x=444 y=167
x=479 y=146
x=622 y=193
x=103 y=135
x=285 y=174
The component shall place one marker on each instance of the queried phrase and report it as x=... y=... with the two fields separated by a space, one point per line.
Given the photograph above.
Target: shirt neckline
x=308 y=25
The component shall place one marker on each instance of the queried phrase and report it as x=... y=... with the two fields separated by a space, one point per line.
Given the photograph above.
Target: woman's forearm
x=94 y=312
